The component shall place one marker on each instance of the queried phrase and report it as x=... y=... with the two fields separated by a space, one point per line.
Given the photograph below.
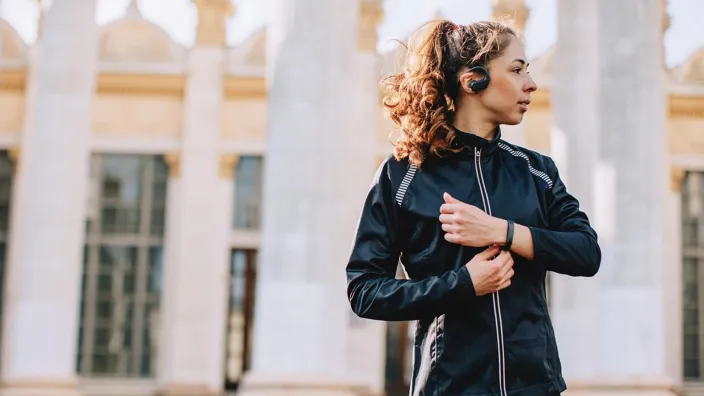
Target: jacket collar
x=471 y=141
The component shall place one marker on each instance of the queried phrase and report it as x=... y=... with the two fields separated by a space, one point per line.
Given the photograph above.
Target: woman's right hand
x=489 y=272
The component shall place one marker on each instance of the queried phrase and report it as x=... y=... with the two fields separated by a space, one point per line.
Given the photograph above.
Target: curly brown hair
x=420 y=100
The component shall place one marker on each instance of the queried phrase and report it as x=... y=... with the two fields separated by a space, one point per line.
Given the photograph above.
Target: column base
x=39 y=388
x=636 y=386
x=188 y=390
x=261 y=385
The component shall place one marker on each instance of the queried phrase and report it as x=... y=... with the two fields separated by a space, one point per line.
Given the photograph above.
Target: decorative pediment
x=12 y=47
x=135 y=39
x=248 y=58
x=253 y=49
x=692 y=70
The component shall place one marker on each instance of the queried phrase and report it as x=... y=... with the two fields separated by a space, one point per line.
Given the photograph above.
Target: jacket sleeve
x=372 y=287
x=570 y=245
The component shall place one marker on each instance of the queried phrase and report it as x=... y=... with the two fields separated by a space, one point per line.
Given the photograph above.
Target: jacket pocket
x=527 y=362
x=469 y=360
x=421 y=239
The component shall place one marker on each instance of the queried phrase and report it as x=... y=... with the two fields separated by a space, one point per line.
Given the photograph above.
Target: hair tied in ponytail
x=420 y=99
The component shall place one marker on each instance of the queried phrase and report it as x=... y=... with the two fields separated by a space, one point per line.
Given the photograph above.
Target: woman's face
x=508 y=95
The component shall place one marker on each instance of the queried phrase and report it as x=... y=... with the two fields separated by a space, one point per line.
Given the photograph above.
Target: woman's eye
x=517 y=71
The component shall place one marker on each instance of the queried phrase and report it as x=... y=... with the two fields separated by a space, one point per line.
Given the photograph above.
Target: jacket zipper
x=495 y=296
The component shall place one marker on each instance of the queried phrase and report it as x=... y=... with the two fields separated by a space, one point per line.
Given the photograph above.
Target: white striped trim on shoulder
x=516 y=153
x=405 y=183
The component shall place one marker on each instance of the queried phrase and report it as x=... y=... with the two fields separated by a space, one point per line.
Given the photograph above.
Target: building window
x=6 y=173
x=122 y=266
x=692 y=257
x=248 y=192
x=243 y=272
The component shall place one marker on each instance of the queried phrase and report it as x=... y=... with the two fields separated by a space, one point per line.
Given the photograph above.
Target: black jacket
x=498 y=344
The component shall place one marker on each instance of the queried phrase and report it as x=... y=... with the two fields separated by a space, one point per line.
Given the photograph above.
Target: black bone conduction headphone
x=479 y=85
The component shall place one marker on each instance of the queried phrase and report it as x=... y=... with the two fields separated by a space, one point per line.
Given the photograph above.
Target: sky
x=402 y=16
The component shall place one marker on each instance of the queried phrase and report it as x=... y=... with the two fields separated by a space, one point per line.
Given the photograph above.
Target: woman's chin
x=513 y=119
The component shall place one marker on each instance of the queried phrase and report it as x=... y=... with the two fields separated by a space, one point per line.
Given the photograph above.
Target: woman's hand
x=490 y=270
x=468 y=225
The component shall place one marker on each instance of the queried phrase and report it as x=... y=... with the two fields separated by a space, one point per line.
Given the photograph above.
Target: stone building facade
x=160 y=232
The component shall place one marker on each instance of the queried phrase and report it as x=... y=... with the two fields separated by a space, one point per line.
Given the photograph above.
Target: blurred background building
x=142 y=251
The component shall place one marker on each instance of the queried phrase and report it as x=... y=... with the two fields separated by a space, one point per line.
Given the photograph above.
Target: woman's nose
x=531 y=85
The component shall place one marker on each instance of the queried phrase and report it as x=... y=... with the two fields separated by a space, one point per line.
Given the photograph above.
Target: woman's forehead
x=513 y=52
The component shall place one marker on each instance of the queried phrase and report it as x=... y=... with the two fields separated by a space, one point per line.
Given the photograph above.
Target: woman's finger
x=446 y=218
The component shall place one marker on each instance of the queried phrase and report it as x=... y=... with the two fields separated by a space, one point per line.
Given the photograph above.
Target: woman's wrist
x=500 y=231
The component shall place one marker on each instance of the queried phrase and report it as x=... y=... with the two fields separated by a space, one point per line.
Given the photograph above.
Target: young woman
x=475 y=221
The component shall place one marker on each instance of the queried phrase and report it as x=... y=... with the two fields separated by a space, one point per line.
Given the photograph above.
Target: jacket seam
x=548 y=334
x=435 y=358
x=519 y=154
x=405 y=183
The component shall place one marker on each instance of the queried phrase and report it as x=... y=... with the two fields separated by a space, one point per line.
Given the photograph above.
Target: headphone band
x=481 y=84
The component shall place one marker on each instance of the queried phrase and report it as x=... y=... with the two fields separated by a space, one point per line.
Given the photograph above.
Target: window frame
x=692 y=249
x=146 y=242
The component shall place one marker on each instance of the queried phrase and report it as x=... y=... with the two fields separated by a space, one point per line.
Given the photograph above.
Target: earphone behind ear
x=479 y=85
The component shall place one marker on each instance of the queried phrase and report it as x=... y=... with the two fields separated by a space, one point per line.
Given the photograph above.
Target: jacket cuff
x=538 y=245
x=464 y=281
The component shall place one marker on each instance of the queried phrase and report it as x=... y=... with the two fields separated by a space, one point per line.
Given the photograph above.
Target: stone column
x=316 y=176
x=366 y=338
x=672 y=278
x=192 y=339
x=624 y=308
x=40 y=323
x=632 y=191
x=517 y=11
x=514 y=9
x=574 y=147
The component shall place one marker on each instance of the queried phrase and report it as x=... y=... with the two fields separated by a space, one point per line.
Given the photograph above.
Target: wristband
x=509 y=235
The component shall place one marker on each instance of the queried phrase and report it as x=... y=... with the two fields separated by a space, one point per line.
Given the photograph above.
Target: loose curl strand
x=420 y=100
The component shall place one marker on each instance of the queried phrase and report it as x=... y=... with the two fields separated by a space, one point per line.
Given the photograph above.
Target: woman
x=475 y=221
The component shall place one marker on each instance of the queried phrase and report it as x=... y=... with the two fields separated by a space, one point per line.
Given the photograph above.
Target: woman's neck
x=481 y=128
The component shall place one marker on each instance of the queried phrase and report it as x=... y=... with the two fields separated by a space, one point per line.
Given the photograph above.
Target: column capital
x=132 y=10
x=173 y=160
x=666 y=17
x=14 y=154
x=228 y=163
x=371 y=14
x=516 y=10
x=666 y=22
x=43 y=7
x=212 y=21
x=676 y=178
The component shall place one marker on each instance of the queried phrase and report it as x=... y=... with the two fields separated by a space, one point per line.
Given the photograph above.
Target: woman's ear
x=475 y=79
x=466 y=79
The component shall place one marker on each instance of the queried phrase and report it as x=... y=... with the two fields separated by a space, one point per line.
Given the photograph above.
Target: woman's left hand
x=468 y=225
